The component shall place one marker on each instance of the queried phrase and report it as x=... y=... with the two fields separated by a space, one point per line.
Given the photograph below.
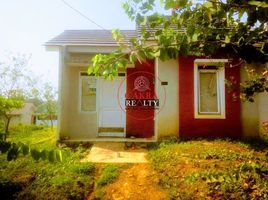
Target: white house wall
x=249 y=114
x=253 y=114
x=168 y=118
x=25 y=119
x=74 y=124
x=263 y=110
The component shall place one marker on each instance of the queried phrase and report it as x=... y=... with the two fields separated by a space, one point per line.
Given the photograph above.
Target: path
x=115 y=152
x=138 y=182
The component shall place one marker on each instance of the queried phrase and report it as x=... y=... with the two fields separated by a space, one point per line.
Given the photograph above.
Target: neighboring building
x=152 y=99
x=45 y=120
x=25 y=115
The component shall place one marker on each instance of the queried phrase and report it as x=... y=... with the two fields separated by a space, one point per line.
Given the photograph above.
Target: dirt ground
x=139 y=182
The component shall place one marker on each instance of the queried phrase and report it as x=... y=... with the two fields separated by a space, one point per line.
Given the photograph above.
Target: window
x=209 y=88
x=88 y=85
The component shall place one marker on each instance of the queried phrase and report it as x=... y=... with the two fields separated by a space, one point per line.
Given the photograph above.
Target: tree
x=236 y=28
x=15 y=78
x=14 y=81
x=18 y=83
x=48 y=106
x=6 y=106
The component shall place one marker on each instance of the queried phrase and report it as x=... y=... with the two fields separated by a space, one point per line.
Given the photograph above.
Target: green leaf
x=43 y=154
x=25 y=150
x=158 y=32
x=195 y=36
x=144 y=22
x=139 y=19
x=105 y=72
x=116 y=34
x=241 y=39
x=141 y=56
x=227 y=39
x=90 y=70
x=221 y=179
x=12 y=153
x=163 y=54
x=35 y=154
x=258 y=4
x=133 y=57
x=208 y=4
x=59 y=156
x=4 y=146
x=240 y=14
x=52 y=156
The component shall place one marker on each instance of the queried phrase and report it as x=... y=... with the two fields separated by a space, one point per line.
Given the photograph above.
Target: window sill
x=210 y=117
x=87 y=112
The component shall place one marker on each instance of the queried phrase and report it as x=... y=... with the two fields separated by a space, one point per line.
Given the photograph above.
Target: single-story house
x=24 y=115
x=185 y=97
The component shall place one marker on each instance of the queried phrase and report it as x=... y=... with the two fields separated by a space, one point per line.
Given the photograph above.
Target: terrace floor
x=116 y=152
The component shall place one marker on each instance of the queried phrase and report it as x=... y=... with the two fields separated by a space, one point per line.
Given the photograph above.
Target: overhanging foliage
x=235 y=28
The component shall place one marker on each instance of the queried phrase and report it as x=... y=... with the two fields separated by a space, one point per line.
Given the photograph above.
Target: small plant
x=83 y=168
x=13 y=150
x=24 y=178
x=109 y=174
x=218 y=169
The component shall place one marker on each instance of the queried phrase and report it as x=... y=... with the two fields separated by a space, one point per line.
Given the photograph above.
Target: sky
x=25 y=26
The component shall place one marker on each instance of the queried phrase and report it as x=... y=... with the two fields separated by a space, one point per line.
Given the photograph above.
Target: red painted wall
x=211 y=128
x=139 y=122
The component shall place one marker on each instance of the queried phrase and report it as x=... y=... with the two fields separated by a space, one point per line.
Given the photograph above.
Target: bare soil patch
x=138 y=182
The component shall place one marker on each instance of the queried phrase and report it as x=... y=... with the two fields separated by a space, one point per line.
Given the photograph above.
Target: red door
x=140 y=92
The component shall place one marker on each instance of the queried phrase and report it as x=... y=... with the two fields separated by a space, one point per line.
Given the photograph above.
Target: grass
x=218 y=169
x=201 y=169
x=109 y=174
x=25 y=178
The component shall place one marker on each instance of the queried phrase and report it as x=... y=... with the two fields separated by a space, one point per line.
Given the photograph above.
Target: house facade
x=24 y=115
x=185 y=97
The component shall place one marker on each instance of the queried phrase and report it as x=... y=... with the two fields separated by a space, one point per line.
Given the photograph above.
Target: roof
x=88 y=38
x=27 y=108
x=152 y=31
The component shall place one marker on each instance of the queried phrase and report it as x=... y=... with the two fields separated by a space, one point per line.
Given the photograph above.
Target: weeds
x=217 y=169
x=30 y=179
x=109 y=174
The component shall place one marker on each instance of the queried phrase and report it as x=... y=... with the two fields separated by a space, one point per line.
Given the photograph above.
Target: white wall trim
x=220 y=72
x=157 y=90
x=62 y=54
x=210 y=61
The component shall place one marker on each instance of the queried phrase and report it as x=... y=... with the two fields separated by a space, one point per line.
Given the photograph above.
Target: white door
x=110 y=113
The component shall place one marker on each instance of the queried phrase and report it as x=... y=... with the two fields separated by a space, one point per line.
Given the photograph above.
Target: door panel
x=140 y=122
x=110 y=113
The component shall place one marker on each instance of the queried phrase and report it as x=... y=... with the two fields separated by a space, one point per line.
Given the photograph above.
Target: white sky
x=25 y=25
